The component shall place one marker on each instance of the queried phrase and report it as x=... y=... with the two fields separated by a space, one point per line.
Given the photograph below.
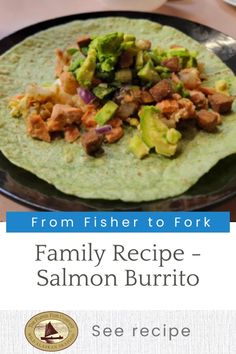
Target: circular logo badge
x=51 y=331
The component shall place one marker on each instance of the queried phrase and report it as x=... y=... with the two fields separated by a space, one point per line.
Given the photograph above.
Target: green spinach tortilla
x=116 y=175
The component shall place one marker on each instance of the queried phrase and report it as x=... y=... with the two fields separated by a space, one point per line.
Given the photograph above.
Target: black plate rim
x=38 y=207
x=19 y=35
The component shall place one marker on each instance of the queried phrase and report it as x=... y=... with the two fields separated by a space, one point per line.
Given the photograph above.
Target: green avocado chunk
x=106 y=112
x=129 y=43
x=139 y=60
x=163 y=148
x=173 y=136
x=158 y=55
x=148 y=73
x=192 y=63
x=138 y=147
x=85 y=73
x=151 y=125
x=178 y=52
x=103 y=90
x=108 y=49
x=129 y=37
x=76 y=62
x=187 y=59
x=123 y=75
x=72 y=51
x=156 y=134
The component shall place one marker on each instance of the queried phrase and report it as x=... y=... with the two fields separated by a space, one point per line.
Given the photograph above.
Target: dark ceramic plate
x=214 y=187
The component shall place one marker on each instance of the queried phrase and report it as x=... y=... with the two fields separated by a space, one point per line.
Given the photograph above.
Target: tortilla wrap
x=117 y=174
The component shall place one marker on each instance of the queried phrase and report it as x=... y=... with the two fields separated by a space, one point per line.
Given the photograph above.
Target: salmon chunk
x=88 y=118
x=199 y=99
x=168 y=107
x=71 y=133
x=115 y=135
x=190 y=78
x=161 y=90
x=62 y=59
x=63 y=115
x=37 y=128
x=187 y=108
x=221 y=103
x=208 y=120
x=173 y=64
x=92 y=141
x=68 y=83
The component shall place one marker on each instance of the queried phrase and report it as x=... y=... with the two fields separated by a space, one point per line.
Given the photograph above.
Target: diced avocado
x=134 y=122
x=184 y=56
x=162 y=69
x=104 y=75
x=72 y=51
x=178 y=52
x=85 y=73
x=129 y=43
x=108 y=64
x=156 y=134
x=108 y=44
x=138 y=147
x=222 y=87
x=148 y=73
x=146 y=57
x=173 y=136
x=179 y=87
x=103 y=90
x=181 y=90
x=106 y=112
x=129 y=37
x=151 y=125
x=187 y=59
x=192 y=63
x=163 y=148
x=185 y=94
x=158 y=55
x=84 y=50
x=123 y=75
x=165 y=75
x=129 y=46
x=108 y=49
x=77 y=60
x=139 y=60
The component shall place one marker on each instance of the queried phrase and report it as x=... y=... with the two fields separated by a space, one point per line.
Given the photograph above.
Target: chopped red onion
x=86 y=95
x=103 y=130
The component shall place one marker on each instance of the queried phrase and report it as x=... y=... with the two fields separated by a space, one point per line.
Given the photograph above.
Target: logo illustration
x=51 y=331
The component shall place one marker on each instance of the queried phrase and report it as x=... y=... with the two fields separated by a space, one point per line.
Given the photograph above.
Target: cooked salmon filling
x=105 y=84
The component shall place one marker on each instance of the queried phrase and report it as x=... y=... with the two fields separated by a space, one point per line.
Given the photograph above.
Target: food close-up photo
x=117 y=112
